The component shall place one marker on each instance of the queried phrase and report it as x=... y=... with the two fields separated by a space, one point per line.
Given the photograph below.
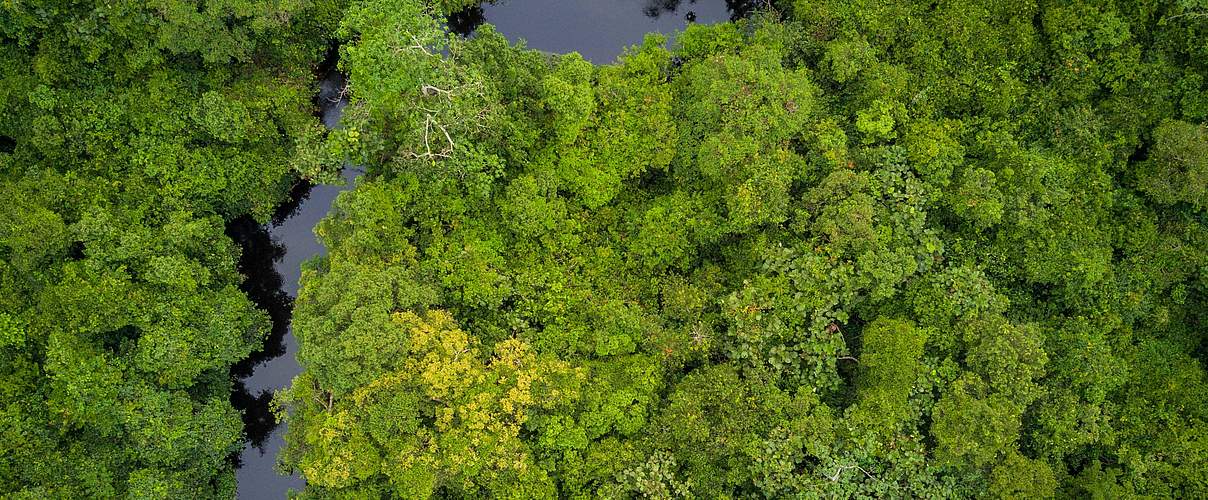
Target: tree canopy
x=838 y=249
x=132 y=132
x=835 y=249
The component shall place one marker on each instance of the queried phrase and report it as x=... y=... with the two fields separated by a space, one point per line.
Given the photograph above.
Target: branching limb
x=1191 y=15
x=835 y=476
x=429 y=124
x=430 y=90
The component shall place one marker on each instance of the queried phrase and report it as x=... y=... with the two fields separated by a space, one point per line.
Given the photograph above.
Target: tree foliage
x=132 y=132
x=842 y=249
x=839 y=249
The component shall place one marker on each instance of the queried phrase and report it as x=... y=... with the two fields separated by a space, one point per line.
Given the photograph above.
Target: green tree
x=132 y=133
x=862 y=250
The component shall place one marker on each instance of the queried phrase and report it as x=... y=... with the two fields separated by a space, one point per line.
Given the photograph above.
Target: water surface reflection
x=598 y=29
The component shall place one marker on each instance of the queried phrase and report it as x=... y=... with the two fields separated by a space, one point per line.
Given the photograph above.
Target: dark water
x=272 y=261
x=273 y=253
x=597 y=29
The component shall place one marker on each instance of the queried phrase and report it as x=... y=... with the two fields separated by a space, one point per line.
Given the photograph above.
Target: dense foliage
x=839 y=249
x=131 y=132
x=888 y=249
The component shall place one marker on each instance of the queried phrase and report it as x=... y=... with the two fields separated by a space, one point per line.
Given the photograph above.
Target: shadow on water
x=738 y=9
x=466 y=21
x=297 y=195
x=263 y=285
x=271 y=261
x=656 y=8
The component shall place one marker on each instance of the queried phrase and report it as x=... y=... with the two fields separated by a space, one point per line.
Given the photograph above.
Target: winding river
x=273 y=253
x=272 y=260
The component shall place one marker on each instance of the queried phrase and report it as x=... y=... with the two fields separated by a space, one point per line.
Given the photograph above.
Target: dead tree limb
x=835 y=476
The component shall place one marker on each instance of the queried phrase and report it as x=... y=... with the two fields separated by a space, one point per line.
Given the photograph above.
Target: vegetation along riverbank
x=829 y=249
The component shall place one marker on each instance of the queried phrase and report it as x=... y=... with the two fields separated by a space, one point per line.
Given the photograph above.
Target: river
x=272 y=260
x=273 y=253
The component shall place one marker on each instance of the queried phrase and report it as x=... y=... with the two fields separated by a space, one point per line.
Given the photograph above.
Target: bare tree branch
x=430 y=90
x=1191 y=15
x=835 y=476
